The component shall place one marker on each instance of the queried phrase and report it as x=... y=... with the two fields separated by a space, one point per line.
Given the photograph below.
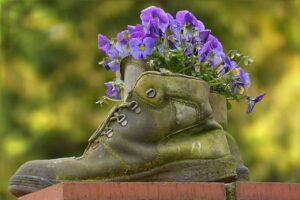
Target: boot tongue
x=131 y=69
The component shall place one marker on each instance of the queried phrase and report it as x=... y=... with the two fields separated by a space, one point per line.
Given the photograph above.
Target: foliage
x=180 y=45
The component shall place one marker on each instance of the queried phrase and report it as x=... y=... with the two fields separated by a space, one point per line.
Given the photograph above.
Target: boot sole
x=212 y=170
x=20 y=185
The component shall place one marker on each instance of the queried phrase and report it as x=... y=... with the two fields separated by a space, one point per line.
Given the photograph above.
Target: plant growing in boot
x=169 y=126
x=180 y=45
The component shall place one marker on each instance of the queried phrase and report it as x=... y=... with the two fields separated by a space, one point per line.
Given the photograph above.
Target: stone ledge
x=166 y=191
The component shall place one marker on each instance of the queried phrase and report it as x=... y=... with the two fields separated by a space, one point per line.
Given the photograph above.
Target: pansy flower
x=252 y=101
x=141 y=48
x=123 y=37
x=103 y=43
x=155 y=17
x=136 y=31
x=123 y=50
x=186 y=18
x=111 y=90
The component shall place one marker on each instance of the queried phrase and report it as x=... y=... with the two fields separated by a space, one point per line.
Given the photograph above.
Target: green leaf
x=228 y=105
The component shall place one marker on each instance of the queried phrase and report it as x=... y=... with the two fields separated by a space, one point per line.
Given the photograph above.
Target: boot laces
x=114 y=115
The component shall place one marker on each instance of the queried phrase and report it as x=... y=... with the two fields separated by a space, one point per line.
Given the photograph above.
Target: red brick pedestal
x=167 y=191
x=267 y=191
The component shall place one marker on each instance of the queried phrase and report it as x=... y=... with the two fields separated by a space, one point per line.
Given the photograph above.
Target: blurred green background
x=50 y=79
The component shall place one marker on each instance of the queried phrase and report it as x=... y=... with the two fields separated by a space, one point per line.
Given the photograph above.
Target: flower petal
x=123 y=37
x=103 y=42
x=122 y=49
x=134 y=45
x=111 y=90
x=252 y=101
x=114 y=65
x=203 y=35
x=149 y=45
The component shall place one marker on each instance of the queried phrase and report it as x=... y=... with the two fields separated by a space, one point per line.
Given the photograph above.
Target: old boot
x=164 y=131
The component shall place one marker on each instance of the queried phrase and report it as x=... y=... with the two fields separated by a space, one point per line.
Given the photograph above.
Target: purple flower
x=212 y=48
x=111 y=90
x=123 y=49
x=205 y=51
x=105 y=64
x=103 y=43
x=174 y=25
x=114 y=65
x=152 y=30
x=200 y=26
x=202 y=37
x=244 y=78
x=136 y=31
x=111 y=52
x=123 y=37
x=175 y=29
x=252 y=101
x=241 y=81
x=216 y=58
x=237 y=87
x=184 y=17
x=173 y=43
x=215 y=44
x=228 y=64
x=188 y=51
x=135 y=28
x=155 y=15
x=141 y=48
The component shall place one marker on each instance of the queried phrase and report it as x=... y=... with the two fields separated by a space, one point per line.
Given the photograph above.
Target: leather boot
x=164 y=131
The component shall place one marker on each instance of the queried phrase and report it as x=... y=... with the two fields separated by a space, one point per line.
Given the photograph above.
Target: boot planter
x=173 y=82
x=164 y=131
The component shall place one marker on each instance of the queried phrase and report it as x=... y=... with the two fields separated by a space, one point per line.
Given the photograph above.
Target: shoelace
x=113 y=115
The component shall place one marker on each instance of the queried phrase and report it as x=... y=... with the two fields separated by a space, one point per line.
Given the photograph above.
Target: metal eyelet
x=109 y=133
x=122 y=120
x=135 y=107
x=95 y=144
x=151 y=92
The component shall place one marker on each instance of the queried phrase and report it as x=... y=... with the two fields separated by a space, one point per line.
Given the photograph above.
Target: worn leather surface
x=176 y=124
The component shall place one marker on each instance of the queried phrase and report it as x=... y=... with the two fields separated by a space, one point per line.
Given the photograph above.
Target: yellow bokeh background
x=50 y=78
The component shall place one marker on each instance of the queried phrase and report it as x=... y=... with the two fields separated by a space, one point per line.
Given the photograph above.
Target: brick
x=54 y=192
x=130 y=191
x=267 y=191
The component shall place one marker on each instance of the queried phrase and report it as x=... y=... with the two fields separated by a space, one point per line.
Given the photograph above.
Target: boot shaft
x=131 y=69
